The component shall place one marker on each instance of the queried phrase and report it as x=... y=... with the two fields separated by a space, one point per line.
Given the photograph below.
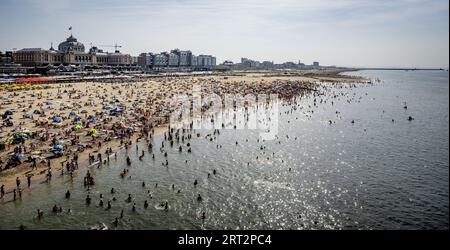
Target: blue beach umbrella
x=57 y=119
x=18 y=156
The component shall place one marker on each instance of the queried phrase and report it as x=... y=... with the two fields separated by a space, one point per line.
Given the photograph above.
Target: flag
x=70 y=28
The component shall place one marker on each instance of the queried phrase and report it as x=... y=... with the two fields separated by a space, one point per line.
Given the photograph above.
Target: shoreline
x=8 y=178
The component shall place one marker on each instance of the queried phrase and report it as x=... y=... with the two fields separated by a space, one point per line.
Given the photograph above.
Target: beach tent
x=38 y=111
x=57 y=119
x=78 y=126
x=72 y=113
x=27 y=116
x=48 y=103
x=58 y=147
x=8 y=112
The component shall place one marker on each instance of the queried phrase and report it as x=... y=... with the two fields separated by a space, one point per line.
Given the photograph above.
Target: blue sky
x=407 y=33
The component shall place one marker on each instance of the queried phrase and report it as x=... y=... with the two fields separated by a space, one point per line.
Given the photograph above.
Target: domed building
x=71 y=44
x=70 y=52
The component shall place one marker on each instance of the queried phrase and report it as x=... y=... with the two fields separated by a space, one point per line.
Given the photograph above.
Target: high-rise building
x=206 y=61
x=194 y=61
x=174 y=59
x=6 y=58
x=161 y=59
x=184 y=57
x=145 y=60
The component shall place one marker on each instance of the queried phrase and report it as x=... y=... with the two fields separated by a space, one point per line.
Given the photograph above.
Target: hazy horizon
x=359 y=33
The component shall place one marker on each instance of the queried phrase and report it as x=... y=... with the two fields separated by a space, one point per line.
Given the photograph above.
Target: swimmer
x=40 y=213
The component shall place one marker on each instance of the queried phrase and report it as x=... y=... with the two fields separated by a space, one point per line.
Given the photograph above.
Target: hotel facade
x=176 y=59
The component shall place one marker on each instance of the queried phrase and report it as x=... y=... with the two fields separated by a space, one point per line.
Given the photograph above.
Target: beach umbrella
x=107 y=107
x=72 y=113
x=22 y=135
x=92 y=131
x=24 y=130
x=57 y=119
x=116 y=110
x=10 y=139
x=18 y=156
x=78 y=126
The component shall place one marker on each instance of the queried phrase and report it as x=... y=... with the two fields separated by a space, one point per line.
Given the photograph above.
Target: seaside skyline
x=343 y=33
